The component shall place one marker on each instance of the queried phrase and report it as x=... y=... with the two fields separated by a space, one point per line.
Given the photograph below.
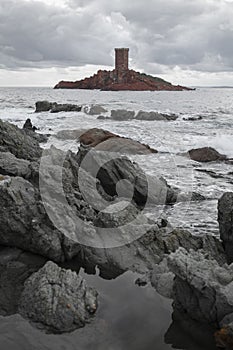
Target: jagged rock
x=150 y=116
x=53 y=107
x=94 y=110
x=104 y=140
x=202 y=289
x=16 y=141
x=206 y=154
x=57 y=299
x=122 y=114
x=225 y=219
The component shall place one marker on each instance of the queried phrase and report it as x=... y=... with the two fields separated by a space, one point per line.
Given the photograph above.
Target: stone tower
x=121 y=60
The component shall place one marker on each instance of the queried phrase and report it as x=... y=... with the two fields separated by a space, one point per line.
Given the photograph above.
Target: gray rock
x=111 y=170
x=202 y=288
x=43 y=106
x=150 y=116
x=24 y=222
x=162 y=279
x=10 y=165
x=66 y=107
x=70 y=134
x=225 y=219
x=16 y=141
x=53 y=107
x=124 y=146
x=57 y=299
x=122 y=114
x=94 y=110
x=206 y=154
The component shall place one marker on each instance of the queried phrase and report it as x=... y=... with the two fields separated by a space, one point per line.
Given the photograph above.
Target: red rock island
x=121 y=78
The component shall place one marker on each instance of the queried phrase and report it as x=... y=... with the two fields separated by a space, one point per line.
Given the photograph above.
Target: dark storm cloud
x=192 y=34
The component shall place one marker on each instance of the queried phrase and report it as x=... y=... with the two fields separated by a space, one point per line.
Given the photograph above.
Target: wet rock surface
x=206 y=154
x=225 y=219
x=54 y=107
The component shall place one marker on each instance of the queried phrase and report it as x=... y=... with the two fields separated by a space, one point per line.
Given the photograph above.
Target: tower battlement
x=121 y=59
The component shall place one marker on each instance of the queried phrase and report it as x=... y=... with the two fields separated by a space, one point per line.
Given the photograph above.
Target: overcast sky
x=187 y=42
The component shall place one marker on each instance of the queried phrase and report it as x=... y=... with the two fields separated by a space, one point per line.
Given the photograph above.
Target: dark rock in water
x=43 y=106
x=206 y=154
x=199 y=117
x=28 y=125
x=150 y=116
x=203 y=289
x=56 y=108
x=104 y=140
x=16 y=141
x=225 y=219
x=122 y=114
x=53 y=107
x=57 y=299
x=95 y=110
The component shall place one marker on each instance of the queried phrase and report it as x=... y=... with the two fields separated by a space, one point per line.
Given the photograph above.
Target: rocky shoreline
x=37 y=253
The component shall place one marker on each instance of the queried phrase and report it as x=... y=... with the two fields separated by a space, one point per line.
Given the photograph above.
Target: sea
x=132 y=317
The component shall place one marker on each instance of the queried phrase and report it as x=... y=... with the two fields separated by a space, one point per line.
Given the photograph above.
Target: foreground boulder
x=206 y=154
x=202 y=289
x=58 y=299
x=53 y=107
x=104 y=140
x=16 y=141
x=225 y=219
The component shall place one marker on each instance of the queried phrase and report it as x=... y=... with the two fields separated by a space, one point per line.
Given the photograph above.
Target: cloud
x=193 y=35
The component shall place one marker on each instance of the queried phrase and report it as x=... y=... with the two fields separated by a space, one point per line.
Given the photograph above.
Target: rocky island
x=121 y=78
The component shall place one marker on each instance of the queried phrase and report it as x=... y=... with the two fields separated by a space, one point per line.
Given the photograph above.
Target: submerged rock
x=206 y=154
x=104 y=140
x=57 y=299
x=225 y=219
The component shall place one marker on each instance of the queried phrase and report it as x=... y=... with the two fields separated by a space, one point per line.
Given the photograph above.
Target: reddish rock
x=104 y=140
x=110 y=81
x=121 y=78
